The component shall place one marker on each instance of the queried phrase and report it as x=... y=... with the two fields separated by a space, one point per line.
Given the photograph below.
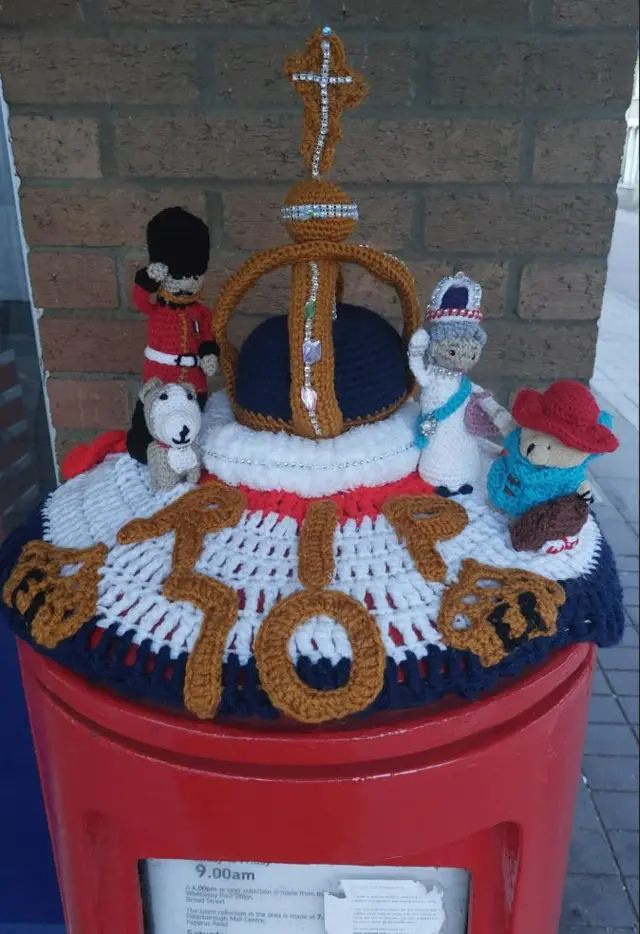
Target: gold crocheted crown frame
x=319 y=217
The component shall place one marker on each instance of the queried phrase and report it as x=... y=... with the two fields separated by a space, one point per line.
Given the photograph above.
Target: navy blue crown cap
x=456 y=296
x=371 y=372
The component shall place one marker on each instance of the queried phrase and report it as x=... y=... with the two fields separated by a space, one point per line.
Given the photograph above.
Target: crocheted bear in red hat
x=566 y=411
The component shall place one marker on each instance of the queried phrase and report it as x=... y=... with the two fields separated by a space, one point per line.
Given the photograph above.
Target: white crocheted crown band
x=307 y=212
x=259 y=555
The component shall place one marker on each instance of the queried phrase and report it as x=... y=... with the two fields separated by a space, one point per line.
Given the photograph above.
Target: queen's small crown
x=456 y=297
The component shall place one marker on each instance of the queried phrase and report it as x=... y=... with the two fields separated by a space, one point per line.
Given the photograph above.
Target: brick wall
x=491 y=140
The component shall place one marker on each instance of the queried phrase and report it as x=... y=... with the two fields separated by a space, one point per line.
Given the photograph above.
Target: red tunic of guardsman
x=180 y=346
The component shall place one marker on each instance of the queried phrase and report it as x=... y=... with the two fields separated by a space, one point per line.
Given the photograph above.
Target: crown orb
x=319 y=201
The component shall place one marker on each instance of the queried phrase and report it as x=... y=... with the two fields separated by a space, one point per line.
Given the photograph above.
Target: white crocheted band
x=369 y=455
x=260 y=557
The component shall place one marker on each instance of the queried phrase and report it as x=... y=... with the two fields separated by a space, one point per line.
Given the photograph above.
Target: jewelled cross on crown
x=327 y=86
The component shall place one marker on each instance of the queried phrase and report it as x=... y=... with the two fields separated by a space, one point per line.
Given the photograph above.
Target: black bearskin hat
x=180 y=241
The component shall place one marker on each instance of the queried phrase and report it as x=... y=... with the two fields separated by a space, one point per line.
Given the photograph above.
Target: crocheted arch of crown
x=135 y=667
x=315 y=267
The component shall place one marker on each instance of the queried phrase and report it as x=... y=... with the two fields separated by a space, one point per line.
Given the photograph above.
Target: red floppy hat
x=566 y=411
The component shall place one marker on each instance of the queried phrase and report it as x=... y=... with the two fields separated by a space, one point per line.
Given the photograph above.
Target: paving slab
x=618 y=810
x=604 y=710
x=611 y=773
x=591 y=854
x=620 y=658
x=624 y=682
x=590 y=901
x=632 y=884
x=625 y=848
x=630 y=707
x=610 y=739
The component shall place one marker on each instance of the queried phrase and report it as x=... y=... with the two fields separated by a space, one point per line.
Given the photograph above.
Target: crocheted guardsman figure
x=180 y=345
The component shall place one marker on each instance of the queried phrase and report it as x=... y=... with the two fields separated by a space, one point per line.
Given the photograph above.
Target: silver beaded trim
x=307 y=212
x=324 y=80
x=270 y=464
x=397 y=259
x=308 y=336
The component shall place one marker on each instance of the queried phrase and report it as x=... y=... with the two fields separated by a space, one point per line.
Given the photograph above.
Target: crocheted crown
x=327 y=365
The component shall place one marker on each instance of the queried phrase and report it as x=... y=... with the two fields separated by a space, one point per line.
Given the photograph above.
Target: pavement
x=601 y=893
x=615 y=375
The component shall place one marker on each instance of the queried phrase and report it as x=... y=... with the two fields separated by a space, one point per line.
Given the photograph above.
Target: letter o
x=280 y=680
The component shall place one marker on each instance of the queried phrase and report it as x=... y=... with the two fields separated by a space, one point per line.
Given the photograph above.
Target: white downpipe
x=629 y=178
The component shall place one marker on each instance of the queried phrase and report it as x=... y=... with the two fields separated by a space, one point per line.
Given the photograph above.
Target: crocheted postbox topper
x=328 y=365
x=315 y=543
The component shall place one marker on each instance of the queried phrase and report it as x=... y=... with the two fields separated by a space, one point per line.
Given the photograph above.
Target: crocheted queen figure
x=448 y=425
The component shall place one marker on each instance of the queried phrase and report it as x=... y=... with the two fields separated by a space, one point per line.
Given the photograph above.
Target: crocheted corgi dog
x=543 y=467
x=173 y=418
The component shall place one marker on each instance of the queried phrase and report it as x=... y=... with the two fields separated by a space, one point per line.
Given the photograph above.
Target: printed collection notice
x=185 y=897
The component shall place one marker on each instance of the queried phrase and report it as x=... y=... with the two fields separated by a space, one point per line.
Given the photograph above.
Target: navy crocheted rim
x=593 y=612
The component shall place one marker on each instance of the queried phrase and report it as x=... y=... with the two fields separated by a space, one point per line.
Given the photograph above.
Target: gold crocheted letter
x=316 y=565
x=492 y=611
x=62 y=583
x=219 y=605
x=422 y=521
x=207 y=509
x=279 y=678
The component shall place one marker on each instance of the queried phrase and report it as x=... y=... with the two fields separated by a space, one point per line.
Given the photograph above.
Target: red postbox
x=488 y=787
